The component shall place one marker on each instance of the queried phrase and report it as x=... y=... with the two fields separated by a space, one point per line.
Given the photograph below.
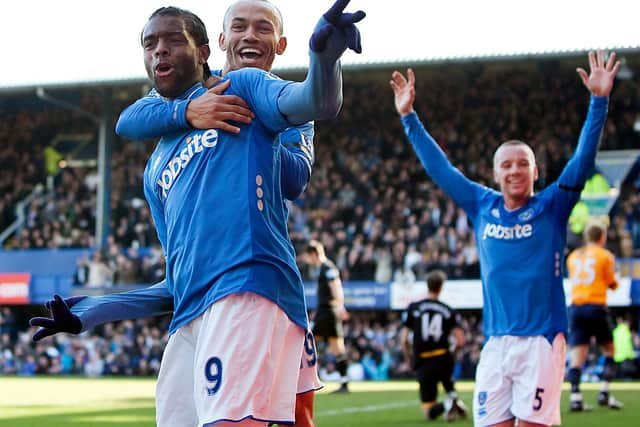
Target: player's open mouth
x=250 y=54
x=163 y=69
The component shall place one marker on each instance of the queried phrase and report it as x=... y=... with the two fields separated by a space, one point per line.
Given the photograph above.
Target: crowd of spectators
x=135 y=348
x=115 y=265
x=123 y=348
x=377 y=212
x=372 y=341
x=369 y=201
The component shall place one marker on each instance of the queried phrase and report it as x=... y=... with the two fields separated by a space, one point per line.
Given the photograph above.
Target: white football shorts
x=309 y=380
x=519 y=377
x=239 y=360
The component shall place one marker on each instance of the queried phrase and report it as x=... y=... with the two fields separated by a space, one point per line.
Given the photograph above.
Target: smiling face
x=515 y=171
x=252 y=35
x=171 y=57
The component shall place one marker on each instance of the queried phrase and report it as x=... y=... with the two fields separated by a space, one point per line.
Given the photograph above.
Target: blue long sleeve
x=152 y=117
x=582 y=163
x=297 y=158
x=319 y=97
x=152 y=301
x=461 y=189
x=296 y=176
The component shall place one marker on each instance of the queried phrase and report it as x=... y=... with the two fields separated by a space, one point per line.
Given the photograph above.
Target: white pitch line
x=367 y=408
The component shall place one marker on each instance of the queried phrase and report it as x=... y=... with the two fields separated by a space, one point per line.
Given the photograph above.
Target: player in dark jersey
x=327 y=323
x=591 y=272
x=432 y=323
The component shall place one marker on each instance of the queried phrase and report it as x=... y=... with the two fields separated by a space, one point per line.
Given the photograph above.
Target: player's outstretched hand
x=337 y=30
x=61 y=320
x=404 y=91
x=600 y=79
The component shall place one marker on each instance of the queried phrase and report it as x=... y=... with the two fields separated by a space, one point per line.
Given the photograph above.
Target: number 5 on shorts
x=537 y=404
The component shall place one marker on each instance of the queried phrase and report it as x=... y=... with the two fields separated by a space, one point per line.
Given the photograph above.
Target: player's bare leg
x=304 y=409
x=522 y=423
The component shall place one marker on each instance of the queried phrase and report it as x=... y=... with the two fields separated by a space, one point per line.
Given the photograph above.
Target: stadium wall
x=33 y=276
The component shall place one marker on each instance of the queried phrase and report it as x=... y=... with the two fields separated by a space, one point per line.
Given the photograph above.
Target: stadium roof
x=70 y=43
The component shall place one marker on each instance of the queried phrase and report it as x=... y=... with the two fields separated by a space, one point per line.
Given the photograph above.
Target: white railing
x=21 y=206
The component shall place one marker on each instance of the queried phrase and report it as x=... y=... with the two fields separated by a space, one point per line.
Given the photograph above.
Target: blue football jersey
x=154 y=116
x=521 y=251
x=217 y=203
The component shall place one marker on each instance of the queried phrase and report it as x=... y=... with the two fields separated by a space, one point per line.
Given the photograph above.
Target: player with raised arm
x=428 y=325
x=252 y=271
x=252 y=36
x=521 y=240
x=591 y=271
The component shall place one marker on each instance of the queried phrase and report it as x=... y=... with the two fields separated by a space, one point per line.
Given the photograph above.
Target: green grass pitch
x=108 y=402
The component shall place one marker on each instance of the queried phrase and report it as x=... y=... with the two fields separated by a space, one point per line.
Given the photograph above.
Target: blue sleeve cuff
x=179 y=113
x=409 y=119
x=599 y=101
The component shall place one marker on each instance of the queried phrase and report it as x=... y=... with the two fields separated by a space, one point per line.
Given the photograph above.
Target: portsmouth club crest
x=526 y=215
x=482 y=400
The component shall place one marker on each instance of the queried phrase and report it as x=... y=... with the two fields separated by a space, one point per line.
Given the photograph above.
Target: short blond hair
x=594 y=231
x=514 y=143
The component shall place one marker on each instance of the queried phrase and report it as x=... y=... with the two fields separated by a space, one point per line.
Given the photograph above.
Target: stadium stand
x=369 y=201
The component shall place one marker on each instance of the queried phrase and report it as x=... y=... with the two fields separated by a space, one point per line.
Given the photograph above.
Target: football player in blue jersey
x=234 y=203
x=251 y=277
x=521 y=239
x=252 y=36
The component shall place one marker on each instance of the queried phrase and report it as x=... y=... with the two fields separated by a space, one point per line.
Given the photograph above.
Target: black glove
x=62 y=320
x=344 y=22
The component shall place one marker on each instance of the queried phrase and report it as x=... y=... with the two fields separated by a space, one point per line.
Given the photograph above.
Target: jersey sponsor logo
x=195 y=145
x=432 y=306
x=500 y=232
